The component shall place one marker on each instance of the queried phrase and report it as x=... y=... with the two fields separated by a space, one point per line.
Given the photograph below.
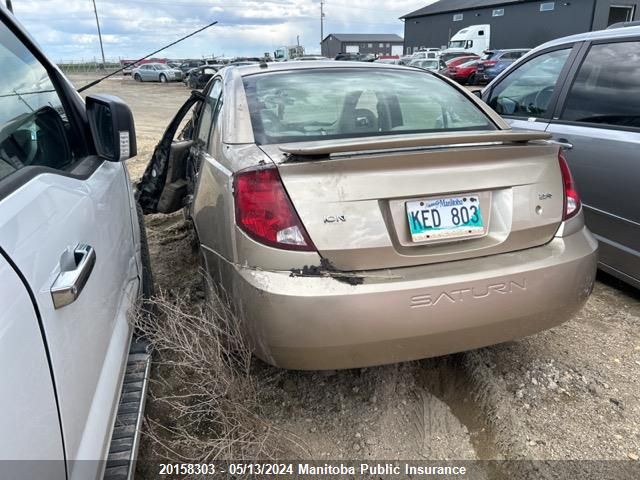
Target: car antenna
x=96 y=82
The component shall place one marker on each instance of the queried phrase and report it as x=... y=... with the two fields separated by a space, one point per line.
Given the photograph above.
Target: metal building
x=365 y=43
x=514 y=23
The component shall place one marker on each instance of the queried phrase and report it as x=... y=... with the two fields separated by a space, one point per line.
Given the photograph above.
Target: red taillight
x=571 y=196
x=489 y=63
x=265 y=213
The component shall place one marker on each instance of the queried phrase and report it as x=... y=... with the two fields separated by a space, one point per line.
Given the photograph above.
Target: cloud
x=66 y=29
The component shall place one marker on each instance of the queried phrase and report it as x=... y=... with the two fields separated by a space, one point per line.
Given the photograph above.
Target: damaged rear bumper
x=323 y=323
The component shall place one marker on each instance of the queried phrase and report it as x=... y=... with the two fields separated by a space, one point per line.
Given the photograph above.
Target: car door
x=526 y=95
x=144 y=72
x=29 y=414
x=66 y=223
x=178 y=163
x=148 y=73
x=600 y=117
x=155 y=73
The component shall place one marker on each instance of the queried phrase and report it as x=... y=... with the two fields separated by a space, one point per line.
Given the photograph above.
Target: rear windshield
x=304 y=105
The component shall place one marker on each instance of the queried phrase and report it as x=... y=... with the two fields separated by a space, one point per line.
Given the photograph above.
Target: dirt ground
x=570 y=393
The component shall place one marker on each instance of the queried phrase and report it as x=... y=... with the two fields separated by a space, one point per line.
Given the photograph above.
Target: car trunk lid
x=353 y=195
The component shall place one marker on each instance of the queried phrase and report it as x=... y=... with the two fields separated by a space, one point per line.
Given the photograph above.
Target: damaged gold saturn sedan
x=362 y=214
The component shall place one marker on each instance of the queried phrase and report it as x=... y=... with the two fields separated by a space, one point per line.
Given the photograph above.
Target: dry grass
x=203 y=403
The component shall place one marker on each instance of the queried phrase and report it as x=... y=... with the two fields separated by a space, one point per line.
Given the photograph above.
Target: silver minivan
x=585 y=91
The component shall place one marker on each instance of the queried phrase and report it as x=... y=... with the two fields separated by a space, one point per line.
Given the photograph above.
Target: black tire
x=472 y=79
x=137 y=78
x=163 y=78
x=148 y=286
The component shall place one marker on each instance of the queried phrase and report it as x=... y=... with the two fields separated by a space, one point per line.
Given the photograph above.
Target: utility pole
x=321 y=22
x=95 y=10
x=9 y=6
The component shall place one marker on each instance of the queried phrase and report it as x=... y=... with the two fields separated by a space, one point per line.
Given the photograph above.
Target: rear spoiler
x=396 y=142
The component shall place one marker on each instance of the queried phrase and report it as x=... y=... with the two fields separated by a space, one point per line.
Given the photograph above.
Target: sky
x=66 y=29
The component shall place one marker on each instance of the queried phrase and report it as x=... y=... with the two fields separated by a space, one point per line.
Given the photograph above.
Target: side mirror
x=112 y=127
x=477 y=93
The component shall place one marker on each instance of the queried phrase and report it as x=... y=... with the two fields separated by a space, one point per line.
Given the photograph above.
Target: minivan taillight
x=265 y=213
x=571 y=196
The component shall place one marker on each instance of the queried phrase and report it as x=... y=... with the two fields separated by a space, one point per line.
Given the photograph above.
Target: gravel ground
x=570 y=393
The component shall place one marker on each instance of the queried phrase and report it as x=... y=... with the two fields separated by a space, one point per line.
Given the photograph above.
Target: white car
x=73 y=262
x=432 y=65
x=429 y=53
x=156 y=72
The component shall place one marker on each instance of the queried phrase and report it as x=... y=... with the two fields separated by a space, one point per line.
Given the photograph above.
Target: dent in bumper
x=318 y=323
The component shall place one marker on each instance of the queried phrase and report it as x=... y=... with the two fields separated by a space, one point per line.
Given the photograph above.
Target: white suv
x=73 y=262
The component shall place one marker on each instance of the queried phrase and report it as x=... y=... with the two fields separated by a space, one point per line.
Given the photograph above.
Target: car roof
x=612 y=33
x=506 y=50
x=311 y=64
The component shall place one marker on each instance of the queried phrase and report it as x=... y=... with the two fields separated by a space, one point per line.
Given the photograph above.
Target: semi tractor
x=286 y=53
x=473 y=39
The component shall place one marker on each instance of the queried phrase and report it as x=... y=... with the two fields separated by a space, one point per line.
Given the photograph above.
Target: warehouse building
x=515 y=23
x=364 y=43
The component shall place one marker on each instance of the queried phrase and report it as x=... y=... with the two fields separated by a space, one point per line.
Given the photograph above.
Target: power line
x=95 y=82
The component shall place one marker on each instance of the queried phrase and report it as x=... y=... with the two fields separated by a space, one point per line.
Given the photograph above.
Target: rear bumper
x=322 y=323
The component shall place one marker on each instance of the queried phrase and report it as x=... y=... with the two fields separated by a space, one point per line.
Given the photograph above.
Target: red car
x=464 y=73
x=454 y=62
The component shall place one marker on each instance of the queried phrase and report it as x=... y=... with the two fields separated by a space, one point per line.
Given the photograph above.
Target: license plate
x=445 y=218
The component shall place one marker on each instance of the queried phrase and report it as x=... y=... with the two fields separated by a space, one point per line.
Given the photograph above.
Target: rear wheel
x=163 y=78
x=472 y=79
x=137 y=78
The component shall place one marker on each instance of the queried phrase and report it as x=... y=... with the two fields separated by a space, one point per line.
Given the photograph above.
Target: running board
x=123 y=452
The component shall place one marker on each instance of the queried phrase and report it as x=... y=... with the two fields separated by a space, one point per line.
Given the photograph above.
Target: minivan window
x=606 y=89
x=316 y=104
x=34 y=127
x=527 y=90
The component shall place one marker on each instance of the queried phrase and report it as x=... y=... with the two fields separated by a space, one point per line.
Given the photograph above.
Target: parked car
x=73 y=262
x=190 y=64
x=348 y=57
x=585 y=91
x=368 y=57
x=243 y=63
x=309 y=58
x=388 y=61
x=454 y=62
x=446 y=56
x=405 y=60
x=199 y=77
x=426 y=54
x=492 y=57
x=488 y=74
x=345 y=239
x=464 y=73
x=432 y=65
x=156 y=72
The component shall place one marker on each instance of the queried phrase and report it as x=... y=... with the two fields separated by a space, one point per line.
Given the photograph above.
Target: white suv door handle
x=72 y=279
